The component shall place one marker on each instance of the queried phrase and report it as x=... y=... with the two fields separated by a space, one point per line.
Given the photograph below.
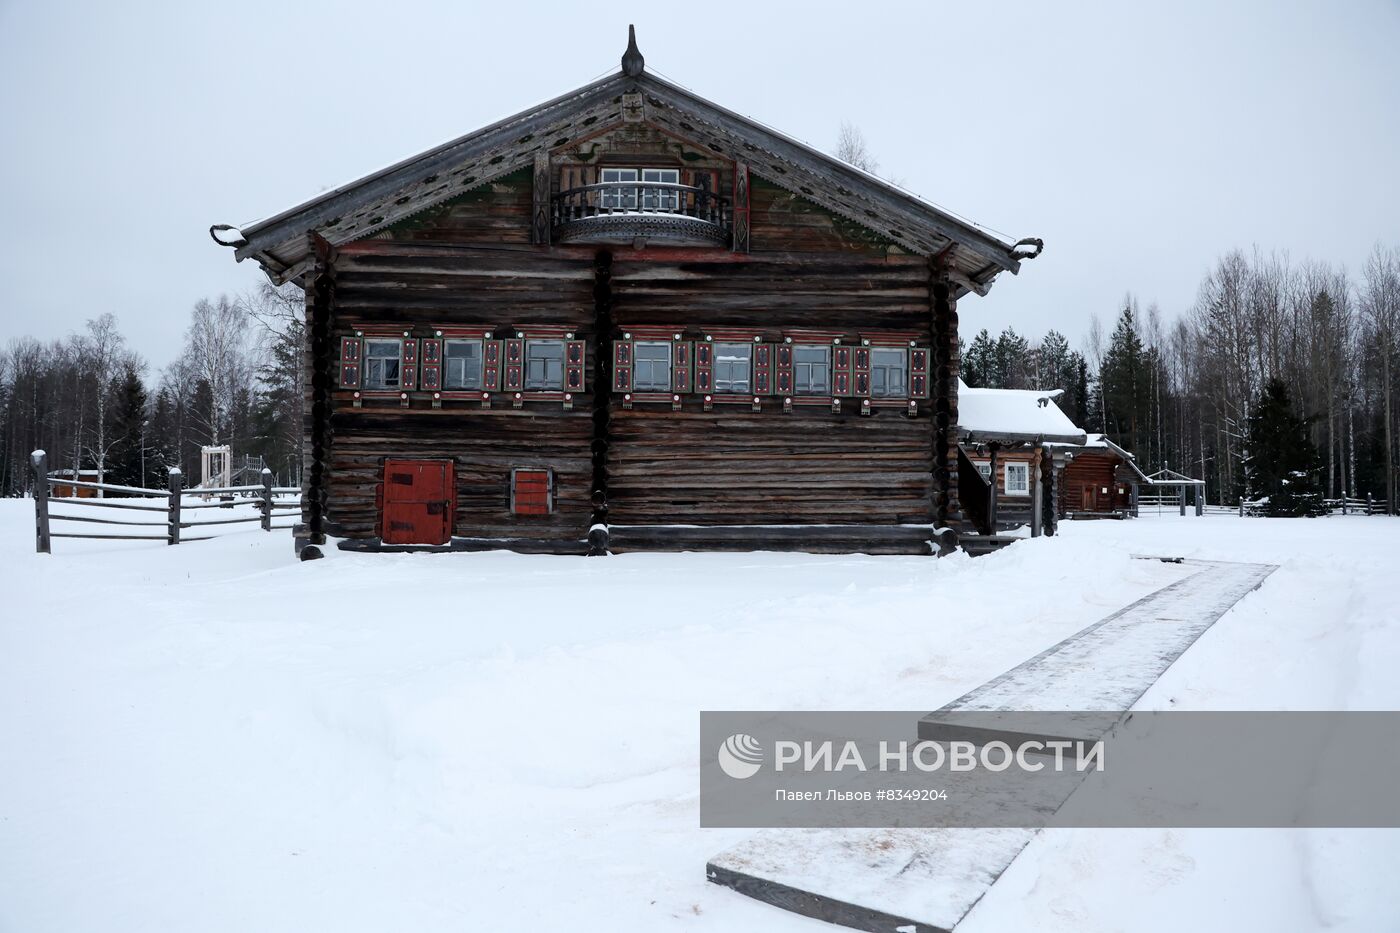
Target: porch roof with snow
x=281 y=243
x=1014 y=416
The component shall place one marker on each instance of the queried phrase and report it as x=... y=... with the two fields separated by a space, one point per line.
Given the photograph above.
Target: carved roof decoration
x=281 y=243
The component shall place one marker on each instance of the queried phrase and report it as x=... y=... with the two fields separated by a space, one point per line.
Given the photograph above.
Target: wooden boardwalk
x=926 y=880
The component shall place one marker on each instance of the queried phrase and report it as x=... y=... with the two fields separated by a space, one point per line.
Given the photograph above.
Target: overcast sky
x=1139 y=143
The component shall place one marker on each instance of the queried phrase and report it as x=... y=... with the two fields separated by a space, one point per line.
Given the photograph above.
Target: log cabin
x=1009 y=473
x=1097 y=479
x=629 y=318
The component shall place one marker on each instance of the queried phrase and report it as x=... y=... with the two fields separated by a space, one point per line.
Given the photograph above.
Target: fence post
x=1200 y=501
x=1241 y=506
x=173 y=528
x=266 y=499
x=40 y=460
x=1370 y=502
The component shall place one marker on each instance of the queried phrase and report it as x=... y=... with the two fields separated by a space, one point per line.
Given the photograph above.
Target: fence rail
x=262 y=497
x=1247 y=508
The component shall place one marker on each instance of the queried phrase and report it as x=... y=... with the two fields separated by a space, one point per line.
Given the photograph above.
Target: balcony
x=622 y=212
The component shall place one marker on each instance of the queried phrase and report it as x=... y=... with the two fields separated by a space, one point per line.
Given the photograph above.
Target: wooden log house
x=1009 y=474
x=629 y=319
x=1097 y=479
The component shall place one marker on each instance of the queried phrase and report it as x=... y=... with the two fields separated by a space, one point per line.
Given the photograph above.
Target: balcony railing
x=626 y=210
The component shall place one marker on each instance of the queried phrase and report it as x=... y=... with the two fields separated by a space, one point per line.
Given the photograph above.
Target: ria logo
x=740 y=756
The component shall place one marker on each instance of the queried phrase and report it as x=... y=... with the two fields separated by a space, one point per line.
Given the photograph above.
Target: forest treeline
x=92 y=401
x=1176 y=391
x=1179 y=392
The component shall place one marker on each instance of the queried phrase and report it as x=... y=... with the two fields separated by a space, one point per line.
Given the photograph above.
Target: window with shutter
x=783 y=368
x=350 y=362
x=918 y=373
x=651 y=366
x=531 y=491
x=544 y=365
x=889 y=373
x=841 y=371
x=733 y=368
x=465 y=364
x=682 y=360
x=811 y=370
x=763 y=369
x=575 y=357
x=409 y=372
x=704 y=366
x=430 y=364
x=622 y=366
x=383 y=366
x=860 y=372
x=490 y=364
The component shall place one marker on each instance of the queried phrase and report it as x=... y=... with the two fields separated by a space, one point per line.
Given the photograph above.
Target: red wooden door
x=418 y=500
x=1088 y=499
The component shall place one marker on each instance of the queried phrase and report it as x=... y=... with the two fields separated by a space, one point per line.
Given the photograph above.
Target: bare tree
x=852 y=148
x=216 y=347
x=1380 y=300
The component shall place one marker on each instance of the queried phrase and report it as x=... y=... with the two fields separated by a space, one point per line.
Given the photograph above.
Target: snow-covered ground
x=214 y=737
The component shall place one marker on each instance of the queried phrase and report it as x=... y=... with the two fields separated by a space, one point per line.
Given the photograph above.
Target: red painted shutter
x=860 y=372
x=682 y=366
x=530 y=492
x=762 y=369
x=918 y=373
x=515 y=365
x=704 y=366
x=575 y=356
x=782 y=376
x=350 y=358
x=408 y=366
x=841 y=380
x=490 y=365
x=430 y=365
x=622 y=366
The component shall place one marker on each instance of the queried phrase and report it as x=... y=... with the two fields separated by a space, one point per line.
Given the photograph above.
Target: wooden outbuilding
x=1098 y=479
x=1008 y=474
x=629 y=318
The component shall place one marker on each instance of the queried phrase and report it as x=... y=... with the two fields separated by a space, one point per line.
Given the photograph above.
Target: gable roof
x=281 y=244
x=1008 y=415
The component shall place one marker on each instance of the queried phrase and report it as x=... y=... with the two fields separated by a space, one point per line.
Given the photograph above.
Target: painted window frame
x=527 y=381
x=466 y=385
x=716 y=363
x=883 y=369
x=808 y=367
x=1022 y=468
x=984 y=467
x=638 y=362
x=367 y=382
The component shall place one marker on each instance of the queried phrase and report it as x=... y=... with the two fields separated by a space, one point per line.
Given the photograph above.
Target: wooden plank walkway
x=926 y=880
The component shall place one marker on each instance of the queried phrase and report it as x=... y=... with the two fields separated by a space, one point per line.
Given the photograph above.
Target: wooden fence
x=1347 y=506
x=133 y=520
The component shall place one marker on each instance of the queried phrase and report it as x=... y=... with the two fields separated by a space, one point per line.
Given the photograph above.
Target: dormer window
x=631 y=196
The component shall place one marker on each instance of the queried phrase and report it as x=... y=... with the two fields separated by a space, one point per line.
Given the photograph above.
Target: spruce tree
x=128 y=421
x=977 y=361
x=1282 y=463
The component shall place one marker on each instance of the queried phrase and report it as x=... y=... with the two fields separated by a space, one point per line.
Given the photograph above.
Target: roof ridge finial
x=632 y=61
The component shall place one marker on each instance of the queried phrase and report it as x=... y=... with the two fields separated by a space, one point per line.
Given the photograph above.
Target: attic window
x=629 y=196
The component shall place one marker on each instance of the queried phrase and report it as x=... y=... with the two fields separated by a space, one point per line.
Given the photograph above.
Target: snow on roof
x=1015 y=413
